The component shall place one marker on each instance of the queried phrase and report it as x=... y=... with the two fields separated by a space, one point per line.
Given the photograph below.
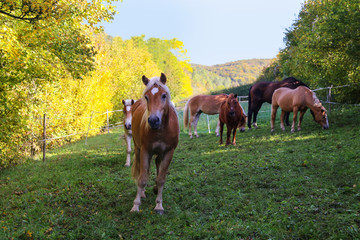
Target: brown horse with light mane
x=294 y=100
x=231 y=114
x=127 y=127
x=155 y=128
x=208 y=104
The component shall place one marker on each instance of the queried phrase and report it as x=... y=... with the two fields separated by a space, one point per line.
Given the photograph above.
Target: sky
x=213 y=32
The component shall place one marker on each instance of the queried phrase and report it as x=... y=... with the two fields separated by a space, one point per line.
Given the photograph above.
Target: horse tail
x=135 y=169
x=186 y=114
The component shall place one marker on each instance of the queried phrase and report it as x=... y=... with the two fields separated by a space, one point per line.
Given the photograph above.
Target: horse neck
x=312 y=102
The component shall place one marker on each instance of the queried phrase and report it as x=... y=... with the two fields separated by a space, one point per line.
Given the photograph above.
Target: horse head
x=232 y=104
x=320 y=116
x=157 y=96
x=127 y=112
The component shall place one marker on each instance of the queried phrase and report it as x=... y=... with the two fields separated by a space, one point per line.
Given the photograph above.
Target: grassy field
x=269 y=186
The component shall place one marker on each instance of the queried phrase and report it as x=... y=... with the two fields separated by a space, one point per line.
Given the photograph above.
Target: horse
x=128 y=103
x=294 y=100
x=231 y=114
x=208 y=104
x=262 y=92
x=156 y=130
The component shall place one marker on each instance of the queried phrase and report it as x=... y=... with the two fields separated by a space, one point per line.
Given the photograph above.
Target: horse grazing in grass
x=262 y=92
x=231 y=114
x=127 y=128
x=208 y=104
x=294 y=100
x=155 y=128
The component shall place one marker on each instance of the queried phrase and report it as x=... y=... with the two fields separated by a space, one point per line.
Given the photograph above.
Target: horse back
x=208 y=104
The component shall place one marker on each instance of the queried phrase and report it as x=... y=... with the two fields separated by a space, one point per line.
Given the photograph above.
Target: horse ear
x=123 y=101
x=163 y=78
x=145 y=80
x=132 y=102
x=235 y=96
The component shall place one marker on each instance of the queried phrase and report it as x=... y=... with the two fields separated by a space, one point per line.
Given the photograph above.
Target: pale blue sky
x=213 y=32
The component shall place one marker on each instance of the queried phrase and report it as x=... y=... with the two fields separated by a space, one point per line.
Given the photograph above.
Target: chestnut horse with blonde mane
x=208 y=104
x=155 y=129
x=231 y=114
x=127 y=128
x=294 y=100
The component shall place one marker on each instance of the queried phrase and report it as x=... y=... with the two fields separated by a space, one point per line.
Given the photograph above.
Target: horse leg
x=142 y=179
x=196 y=119
x=287 y=115
x=221 y=131
x=157 y=162
x=300 y=119
x=128 y=149
x=256 y=111
x=190 y=124
x=217 y=128
x=161 y=178
x=234 y=136
x=228 y=134
x=295 y=111
x=282 y=116
x=273 y=116
x=250 y=112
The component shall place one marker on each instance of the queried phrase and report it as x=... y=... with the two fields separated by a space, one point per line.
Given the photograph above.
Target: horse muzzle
x=232 y=114
x=326 y=127
x=154 y=122
x=128 y=126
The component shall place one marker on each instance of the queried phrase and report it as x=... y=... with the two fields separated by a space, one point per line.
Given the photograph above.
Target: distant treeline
x=228 y=75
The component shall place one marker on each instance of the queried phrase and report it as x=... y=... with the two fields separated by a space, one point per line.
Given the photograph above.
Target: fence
x=119 y=124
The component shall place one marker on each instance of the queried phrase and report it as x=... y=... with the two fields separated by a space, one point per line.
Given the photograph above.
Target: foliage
x=41 y=41
x=278 y=186
x=323 y=47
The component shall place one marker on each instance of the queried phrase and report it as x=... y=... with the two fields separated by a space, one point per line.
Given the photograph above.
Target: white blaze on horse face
x=154 y=90
x=128 y=108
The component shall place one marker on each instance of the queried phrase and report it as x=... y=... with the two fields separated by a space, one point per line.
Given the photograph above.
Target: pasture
x=303 y=185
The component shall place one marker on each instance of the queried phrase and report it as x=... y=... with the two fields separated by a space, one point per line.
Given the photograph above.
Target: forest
x=56 y=60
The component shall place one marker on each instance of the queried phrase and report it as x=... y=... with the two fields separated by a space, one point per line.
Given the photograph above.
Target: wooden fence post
x=329 y=99
x=87 y=133
x=44 y=135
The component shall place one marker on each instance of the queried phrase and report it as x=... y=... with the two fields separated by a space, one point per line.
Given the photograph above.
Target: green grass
x=280 y=186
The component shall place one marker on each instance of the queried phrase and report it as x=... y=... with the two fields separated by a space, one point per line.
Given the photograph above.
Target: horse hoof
x=155 y=190
x=160 y=212
x=127 y=165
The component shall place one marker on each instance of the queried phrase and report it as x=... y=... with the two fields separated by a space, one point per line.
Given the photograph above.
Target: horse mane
x=153 y=81
x=317 y=102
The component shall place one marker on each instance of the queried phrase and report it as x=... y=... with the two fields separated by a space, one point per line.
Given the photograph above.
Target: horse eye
x=146 y=97
x=163 y=96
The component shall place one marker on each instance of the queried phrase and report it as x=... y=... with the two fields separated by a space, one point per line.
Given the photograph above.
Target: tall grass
x=280 y=186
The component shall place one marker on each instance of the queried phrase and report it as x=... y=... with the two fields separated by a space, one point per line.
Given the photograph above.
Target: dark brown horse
x=262 y=92
x=231 y=114
x=297 y=100
x=155 y=129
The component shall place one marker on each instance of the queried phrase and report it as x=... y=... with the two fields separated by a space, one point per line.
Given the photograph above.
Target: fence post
x=87 y=133
x=107 y=119
x=329 y=98
x=44 y=135
x=208 y=122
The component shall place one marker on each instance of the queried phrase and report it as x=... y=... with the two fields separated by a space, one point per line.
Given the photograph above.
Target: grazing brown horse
x=155 y=128
x=208 y=104
x=231 y=114
x=127 y=128
x=294 y=100
x=262 y=92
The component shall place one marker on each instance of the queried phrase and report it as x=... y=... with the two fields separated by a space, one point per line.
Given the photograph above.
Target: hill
x=231 y=74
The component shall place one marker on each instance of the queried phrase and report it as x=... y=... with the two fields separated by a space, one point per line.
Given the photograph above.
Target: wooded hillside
x=228 y=75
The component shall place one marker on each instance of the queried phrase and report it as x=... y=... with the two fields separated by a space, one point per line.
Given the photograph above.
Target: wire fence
x=242 y=99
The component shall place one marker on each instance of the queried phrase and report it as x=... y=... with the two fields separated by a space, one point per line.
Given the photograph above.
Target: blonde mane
x=316 y=100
